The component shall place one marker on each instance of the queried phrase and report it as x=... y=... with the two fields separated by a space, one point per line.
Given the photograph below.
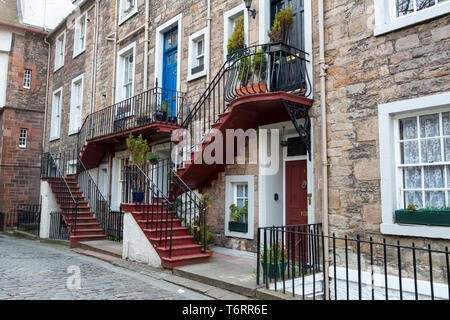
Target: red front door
x=296 y=193
x=297 y=210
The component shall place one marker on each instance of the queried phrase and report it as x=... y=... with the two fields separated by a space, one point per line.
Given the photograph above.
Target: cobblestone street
x=32 y=270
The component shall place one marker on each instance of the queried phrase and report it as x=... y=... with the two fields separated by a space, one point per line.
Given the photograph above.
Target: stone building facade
x=373 y=59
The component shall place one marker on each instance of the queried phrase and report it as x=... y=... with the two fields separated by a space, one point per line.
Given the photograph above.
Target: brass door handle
x=309 y=198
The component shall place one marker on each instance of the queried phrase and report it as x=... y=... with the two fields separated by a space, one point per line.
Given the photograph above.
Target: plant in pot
x=197 y=228
x=162 y=111
x=237 y=40
x=276 y=258
x=236 y=223
x=282 y=26
x=140 y=154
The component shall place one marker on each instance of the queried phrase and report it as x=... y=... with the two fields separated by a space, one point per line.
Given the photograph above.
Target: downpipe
x=323 y=74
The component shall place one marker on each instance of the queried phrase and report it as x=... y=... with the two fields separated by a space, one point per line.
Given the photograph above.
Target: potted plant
x=276 y=258
x=140 y=154
x=236 y=214
x=433 y=216
x=282 y=26
x=161 y=111
x=237 y=40
x=197 y=225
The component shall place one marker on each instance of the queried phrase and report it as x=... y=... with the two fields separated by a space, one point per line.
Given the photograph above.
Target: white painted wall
x=49 y=205
x=136 y=246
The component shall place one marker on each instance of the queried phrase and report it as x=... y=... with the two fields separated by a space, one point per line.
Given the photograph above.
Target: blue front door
x=170 y=70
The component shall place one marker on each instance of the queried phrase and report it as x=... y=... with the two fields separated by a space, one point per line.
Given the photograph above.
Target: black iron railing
x=165 y=197
x=292 y=259
x=252 y=70
x=110 y=221
x=154 y=105
x=189 y=205
x=57 y=166
x=58 y=227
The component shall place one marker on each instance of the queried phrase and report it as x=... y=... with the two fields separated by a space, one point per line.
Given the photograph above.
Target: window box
x=270 y=271
x=238 y=226
x=423 y=217
x=143 y=121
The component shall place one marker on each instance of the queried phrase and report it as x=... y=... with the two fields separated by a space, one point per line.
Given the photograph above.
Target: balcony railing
x=155 y=105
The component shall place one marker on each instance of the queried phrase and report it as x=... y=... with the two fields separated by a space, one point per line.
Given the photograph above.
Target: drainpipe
x=113 y=88
x=323 y=109
x=208 y=35
x=146 y=41
x=46 y=92
x=94 y=63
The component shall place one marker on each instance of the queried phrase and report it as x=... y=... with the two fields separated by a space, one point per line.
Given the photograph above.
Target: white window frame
x=230 y=189
x=72 y=164
x=125 y=52
x=23 y=140
x=55 y=127
x=77 y=48
x=388 y=115
x=193 y=40
x=386 y=19
x=73 y=105
x=60 y=45
x=27 y=78
x=125 y=17
x=228 y=18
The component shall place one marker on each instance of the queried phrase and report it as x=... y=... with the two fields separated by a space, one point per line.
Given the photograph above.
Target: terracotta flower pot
x=255 y=88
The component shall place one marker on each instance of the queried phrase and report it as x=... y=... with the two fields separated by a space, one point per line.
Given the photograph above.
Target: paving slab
x=103 y=246
x=235 y=274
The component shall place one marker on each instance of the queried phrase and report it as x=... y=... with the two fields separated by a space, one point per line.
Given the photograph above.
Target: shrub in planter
x=237 y=39
x=282 y=26
x=276 y=259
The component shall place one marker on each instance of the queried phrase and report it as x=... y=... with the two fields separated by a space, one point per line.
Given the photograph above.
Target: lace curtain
x=424 y=132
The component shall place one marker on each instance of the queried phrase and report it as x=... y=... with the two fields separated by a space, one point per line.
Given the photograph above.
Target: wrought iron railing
x=292 y=259
x=252 y=70
x=110 y=221
x=51 y=165
x=165 y=195
x=58 y=227
x=154 y=105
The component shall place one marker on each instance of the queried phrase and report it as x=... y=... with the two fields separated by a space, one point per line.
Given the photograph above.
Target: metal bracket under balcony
x=296 y=112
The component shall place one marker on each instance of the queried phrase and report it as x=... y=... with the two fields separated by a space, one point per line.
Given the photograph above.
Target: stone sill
x=415 y=231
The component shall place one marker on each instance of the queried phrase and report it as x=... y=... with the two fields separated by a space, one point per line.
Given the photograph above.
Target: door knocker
x=304 y=184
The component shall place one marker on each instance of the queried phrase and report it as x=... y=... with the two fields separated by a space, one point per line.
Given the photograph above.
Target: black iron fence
x=26 y=217
x=58 y=227
x=294 y=259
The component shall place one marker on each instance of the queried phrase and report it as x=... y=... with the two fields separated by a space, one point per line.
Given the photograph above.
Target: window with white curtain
x=423 y=157
x=241 y=198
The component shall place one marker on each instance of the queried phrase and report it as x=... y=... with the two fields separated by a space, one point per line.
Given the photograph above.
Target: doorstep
x=231 y=273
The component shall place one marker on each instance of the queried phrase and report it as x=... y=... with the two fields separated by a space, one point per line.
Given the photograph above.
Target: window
x=71 y=167
x=198 y=55
x=23 y=138
x=414 y=141
x=76 y=104
x=391 y=15
x=241 y=198
x=127 y=9
x=27 y=79
x=59 y=50
x=240 y=190
x=56 y=115
x=424 y=162
x=79 y=45
x=230 y=18
x=125 y=81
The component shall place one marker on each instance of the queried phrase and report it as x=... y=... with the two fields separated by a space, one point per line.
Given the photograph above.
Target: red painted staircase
x=86 y=226
x=162 y=227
